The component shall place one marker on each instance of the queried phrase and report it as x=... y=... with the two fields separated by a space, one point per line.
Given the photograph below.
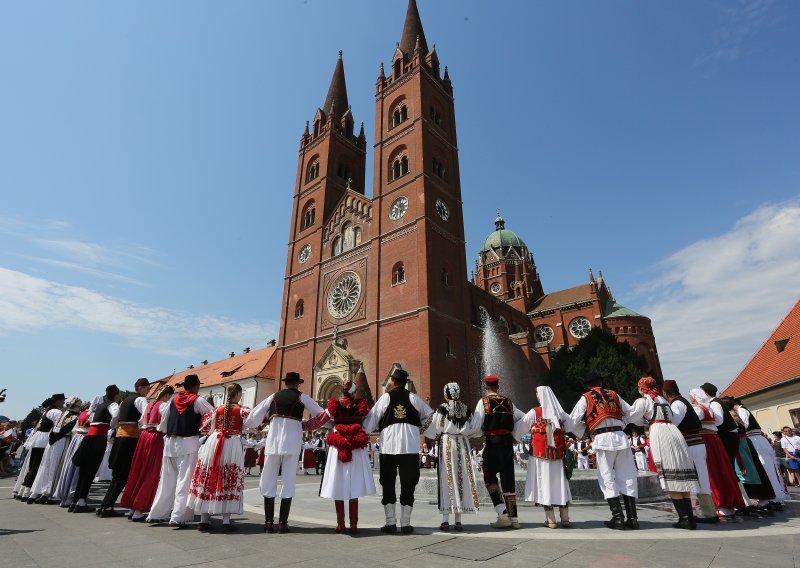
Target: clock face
x=442 y=210
x=304 y=254
x=398 y=208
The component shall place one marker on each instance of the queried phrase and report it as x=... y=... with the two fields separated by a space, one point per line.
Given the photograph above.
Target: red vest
x=539 y=447
x=601 y=404
x=233 y=425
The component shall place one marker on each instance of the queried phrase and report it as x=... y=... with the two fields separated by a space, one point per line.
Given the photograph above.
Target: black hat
x=141 y=383
x=112 y=391
x=292 y=378
x=592 y=378
x=59 y=396
x=190 y=381
x=47 y=402
x=399 y=376
x=709 y=389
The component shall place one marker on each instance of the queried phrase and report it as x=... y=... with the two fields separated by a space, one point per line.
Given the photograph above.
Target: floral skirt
x=218 y=492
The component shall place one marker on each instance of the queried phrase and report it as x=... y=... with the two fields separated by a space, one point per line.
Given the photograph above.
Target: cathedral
x=381 y=282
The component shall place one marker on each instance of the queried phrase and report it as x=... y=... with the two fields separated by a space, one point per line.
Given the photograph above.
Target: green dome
x=502 y=238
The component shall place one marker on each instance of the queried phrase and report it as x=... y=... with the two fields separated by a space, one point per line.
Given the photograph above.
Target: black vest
x=45 y=424
x=128 y=411
x=400 y=410
x=66 y=423
x=752 y=423
x=728 y=423
x=102 y=414
x=184 y=425
x=690 y=422
x=498 y=413
x=286 y=404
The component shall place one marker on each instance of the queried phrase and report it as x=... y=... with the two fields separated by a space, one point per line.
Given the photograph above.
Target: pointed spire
x=361 y=132
x=446 y=74
x=382 y=74
x=305 y=132
x=336 y=101
x=412 y=31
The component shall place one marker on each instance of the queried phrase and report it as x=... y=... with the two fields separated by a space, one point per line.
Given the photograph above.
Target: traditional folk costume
x=93 y=446
x=140 y=490
x=309 y=460
x=250 y=454
x=283 y=411
x=496 y=416
x=583 y=448
x=639 y=448
x=727 y=429
x=689 y=425
x=124 y=447
x=180 y=422
x=674 y=463
x=764 y=453
x=398 y=414
x=546 y=483
x=348 y=473
x=451 y=427
x=218 y=481
x=67 y=477
x=52 y=459
x=724 y=486
x=104 y=472
x=39 y=442
x=603 y=412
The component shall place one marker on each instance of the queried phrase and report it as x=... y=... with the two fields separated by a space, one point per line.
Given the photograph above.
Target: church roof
x=614 y=310
x=337 y=92
x=564 y=297
x=501 y=238
x=776 y=362
x=412 y=28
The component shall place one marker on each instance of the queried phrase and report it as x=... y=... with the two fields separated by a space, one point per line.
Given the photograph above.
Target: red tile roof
x=769 y=366
x=257 y=363
x=565 y=297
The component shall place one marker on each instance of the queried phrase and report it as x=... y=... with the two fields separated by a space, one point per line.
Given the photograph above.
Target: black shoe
x=408 y=529
x=228 y=528
x=30 y=500
x=389 y=529
x=283 y=527
x=708 y=520
x=43 y=500
x=630 y=511
x=107 y=513
x=71 y=508
x=269 y=527
x=283 y=518
x=141 y=519
x=204 y=527
x=617 y=521
x=83 y=509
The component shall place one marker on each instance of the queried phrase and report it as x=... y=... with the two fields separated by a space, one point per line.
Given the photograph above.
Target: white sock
x=446 y=518
x=137 y=515
x=458 y=518
x=501 y=509
x=205 y=518
x=226 y=518
x=81 y=502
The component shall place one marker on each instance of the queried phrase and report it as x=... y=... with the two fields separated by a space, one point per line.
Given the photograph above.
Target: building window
x=544 y=334
x=313 y=171
x=356 y=236
x=435 y=116
x=308 y=215
x=580 y=327
x=397 y=68
x=438 y=168
x=400 y=115
x=348 y=237
x=448 y=347
x=398 y=274
x=336 y=248
x=298 y=309
x=445 y=277
x=794 y=414
x=399 y=167
x=343 y=171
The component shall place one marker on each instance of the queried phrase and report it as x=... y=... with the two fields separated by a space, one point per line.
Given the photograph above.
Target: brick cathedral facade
x=378 y=282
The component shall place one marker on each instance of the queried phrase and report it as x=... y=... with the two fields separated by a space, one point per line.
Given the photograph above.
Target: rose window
x=579 y=328
x=344 y=294
x=544 y=334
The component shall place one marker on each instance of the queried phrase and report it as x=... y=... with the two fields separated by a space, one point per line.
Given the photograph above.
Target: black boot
x=283 y=518
x=683 y=517
x=617 y=521
x=690 y=513
x=630 y=511
x=269 y=514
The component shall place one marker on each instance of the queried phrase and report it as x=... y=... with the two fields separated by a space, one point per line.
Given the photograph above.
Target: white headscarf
x=551 y=408
x=700 y=396
x=457 y=411
x=96 y=401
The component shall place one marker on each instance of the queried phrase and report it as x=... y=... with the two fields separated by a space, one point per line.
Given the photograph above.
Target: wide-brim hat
x=399 y=376
x=190 y=381
x=709 y=389
x=293 y=378
x=59 y=396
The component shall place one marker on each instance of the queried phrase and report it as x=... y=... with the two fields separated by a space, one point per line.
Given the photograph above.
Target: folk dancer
x=583 y=447
x=320 y=452
x=124 y=445
x=725 y=489
x=68 y=474
x=140 y=490
x=398 y=414
x=639 y=448
x=310 y=464
x=603 y=412
x=53 y=457
x=689 y=425
x=347 y=475
x=451 y=427
x=284 y=413
x=218 y=481
x=180 y=422
x=726 y=426
x=674 y=463
x=37 y=444
x=250 y=454
x=546 y=483
x=496 y=416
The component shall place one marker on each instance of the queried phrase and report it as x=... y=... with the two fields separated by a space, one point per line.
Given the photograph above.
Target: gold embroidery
x=400 y=412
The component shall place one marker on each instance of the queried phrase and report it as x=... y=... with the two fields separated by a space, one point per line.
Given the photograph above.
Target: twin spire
x=337 y=92
x=412 y=31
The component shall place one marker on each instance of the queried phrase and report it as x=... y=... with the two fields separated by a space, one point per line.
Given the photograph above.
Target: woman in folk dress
x=450 y=427
x=218 y=480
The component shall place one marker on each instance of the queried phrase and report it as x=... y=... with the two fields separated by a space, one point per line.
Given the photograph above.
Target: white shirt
x=701 y=415
x=476 y=422
x=176 y=446
x=285 y=434
x=140 y=403
x=679 y=411
x=113 y=410
x=41 y=439
x=399 y=438
x=607 y=440
x=719 y=414
x=791 y=443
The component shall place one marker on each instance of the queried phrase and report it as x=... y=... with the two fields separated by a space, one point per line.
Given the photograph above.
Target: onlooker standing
x=791 y=448
x=780 y=456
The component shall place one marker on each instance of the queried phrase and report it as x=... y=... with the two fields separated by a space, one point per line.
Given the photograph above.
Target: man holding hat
x=39 y=441
x=45 y=481
x=398 y=414
x=603 y=412
x=180 y=422
x=121 y=456
x=496 y=415
x=283 y=411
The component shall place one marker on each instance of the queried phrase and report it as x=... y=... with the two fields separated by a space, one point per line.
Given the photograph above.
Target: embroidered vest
x=540 y=447
x=601 y=404
x=400 y=410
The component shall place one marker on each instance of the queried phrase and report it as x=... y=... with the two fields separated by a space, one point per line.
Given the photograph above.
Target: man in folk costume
x=38 y=443
x=140 y=490
x=124 y=445
x=284 y=413
x=180 y=422
x=348 y=474
x=546 y=483
x=496 y=415
x=451 y=427
x=603 y=413
x=689 y=425
x=47 y=477
x=725 y=489
x=764 y=451
x=398 y=414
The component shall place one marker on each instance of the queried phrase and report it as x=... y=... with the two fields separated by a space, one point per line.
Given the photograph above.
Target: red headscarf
x=649 y=387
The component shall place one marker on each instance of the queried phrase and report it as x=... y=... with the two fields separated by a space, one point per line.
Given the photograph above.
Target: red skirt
x=140 y=490
x=260 y=460
x=309 y=461
x=724 y=484
x=250 y=457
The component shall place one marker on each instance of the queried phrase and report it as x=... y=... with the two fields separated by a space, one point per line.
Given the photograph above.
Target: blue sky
x=148 y=155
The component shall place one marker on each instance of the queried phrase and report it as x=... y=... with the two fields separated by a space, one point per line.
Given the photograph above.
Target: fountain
x=502 y=358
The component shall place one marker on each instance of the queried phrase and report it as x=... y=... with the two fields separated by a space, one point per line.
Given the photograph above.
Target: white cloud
x=716 y=301
x=739 y=22
x=30 y=303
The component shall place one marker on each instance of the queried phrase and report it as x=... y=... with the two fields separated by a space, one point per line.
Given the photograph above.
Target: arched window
x=357 y=236
x=308 y=215
x=438 y=168
x=397 y=68
x=336 y=249
x=348 y=237
x=298 y=309
x=343 y=171
x=313 y=171
x=399 y=166
x=435 y=116
x=399 y=115
x=398 y=274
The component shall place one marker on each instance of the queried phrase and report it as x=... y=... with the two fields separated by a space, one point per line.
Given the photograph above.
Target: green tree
x=599 y=352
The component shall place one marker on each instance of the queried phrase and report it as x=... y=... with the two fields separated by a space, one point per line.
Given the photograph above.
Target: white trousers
x=583 y=462
x=698 y=454
x=616 y=473
x=284 y=465
x=173 y=489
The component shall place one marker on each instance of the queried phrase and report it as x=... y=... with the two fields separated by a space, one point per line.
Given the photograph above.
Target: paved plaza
x=47 y=536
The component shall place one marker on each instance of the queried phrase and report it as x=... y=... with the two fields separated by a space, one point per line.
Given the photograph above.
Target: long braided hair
x=230 y=391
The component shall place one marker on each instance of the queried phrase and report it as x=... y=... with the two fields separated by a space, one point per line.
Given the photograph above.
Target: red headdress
x=648 y=386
